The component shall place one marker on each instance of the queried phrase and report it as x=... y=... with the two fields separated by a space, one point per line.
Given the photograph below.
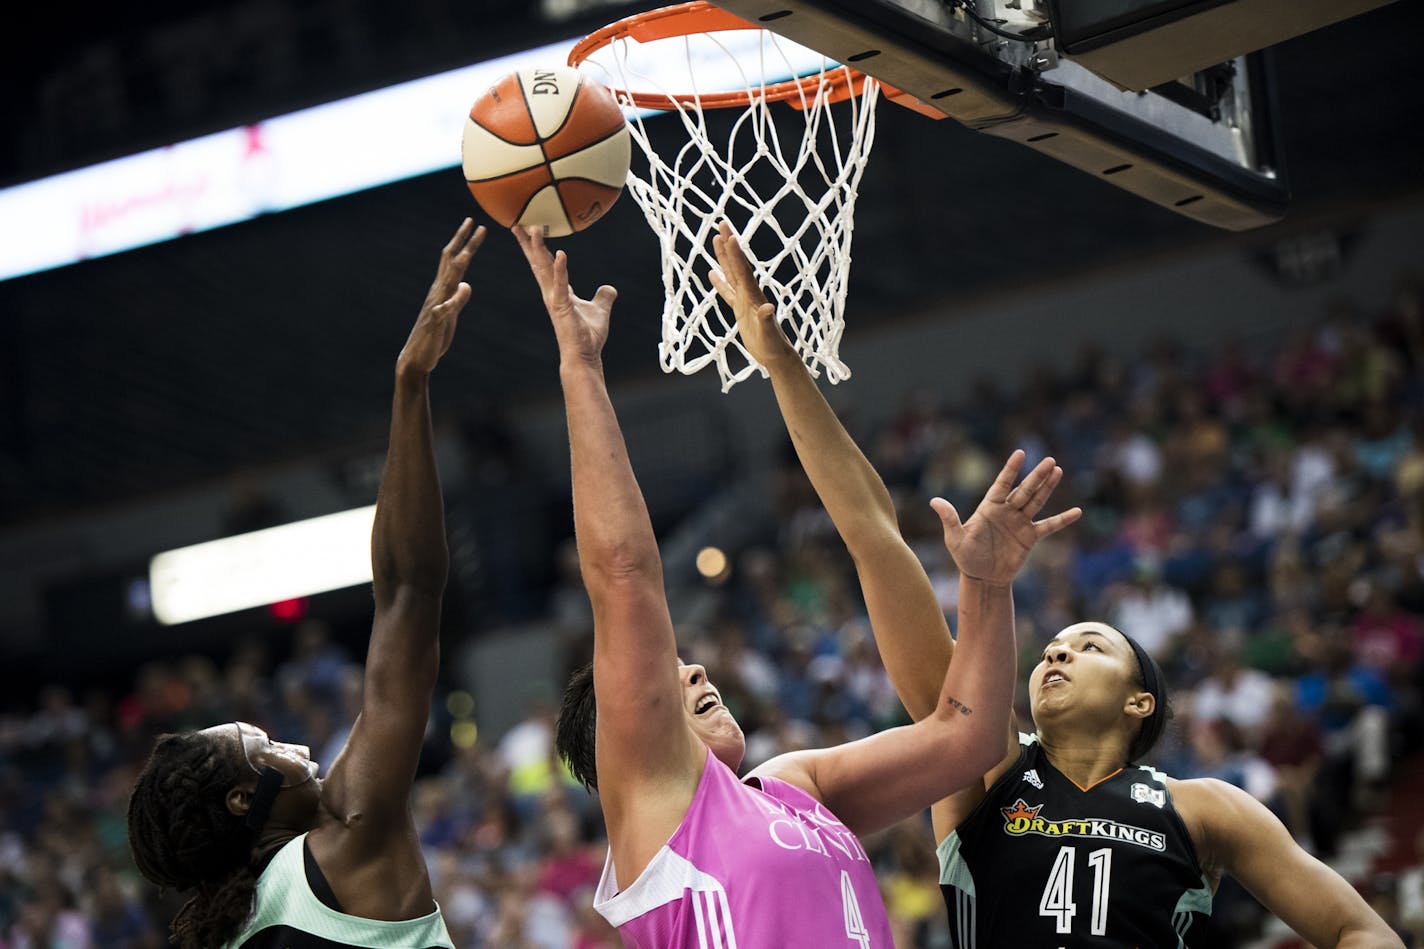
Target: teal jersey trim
x=1192 y=901
x=284 y=899
x=954 y=872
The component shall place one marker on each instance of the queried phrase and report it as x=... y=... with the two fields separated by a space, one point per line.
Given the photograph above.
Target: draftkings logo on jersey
x=1022 y=819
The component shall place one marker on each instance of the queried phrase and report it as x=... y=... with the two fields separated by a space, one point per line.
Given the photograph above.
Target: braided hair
x=183 y=836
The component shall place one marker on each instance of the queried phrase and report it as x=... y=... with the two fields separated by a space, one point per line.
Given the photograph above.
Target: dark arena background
x=1238 y=413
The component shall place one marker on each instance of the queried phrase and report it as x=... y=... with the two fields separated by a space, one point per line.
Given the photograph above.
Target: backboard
x=1138 y=44
x=1203 y=145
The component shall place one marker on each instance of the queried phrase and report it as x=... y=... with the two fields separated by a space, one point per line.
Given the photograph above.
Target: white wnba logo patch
x=1143 y=794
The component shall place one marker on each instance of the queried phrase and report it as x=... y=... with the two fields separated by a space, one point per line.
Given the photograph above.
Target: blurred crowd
x=1254 y=515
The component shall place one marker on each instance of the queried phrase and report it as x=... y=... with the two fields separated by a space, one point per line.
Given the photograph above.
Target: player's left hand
x=735 y=282
x=435 y=326
x=994 y=543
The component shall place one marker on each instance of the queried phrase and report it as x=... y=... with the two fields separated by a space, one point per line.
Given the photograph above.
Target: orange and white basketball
x=546 y=146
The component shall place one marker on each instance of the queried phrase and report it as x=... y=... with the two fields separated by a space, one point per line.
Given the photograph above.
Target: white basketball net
x=791 y=203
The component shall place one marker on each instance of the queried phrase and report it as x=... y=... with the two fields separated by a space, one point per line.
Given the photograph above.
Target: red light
x=289 y=611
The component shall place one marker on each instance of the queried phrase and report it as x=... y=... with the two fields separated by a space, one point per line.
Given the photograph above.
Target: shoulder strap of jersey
x=1028 y=744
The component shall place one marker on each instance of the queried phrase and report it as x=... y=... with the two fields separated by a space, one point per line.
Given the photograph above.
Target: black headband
x=1152 y=682
x=269 y=783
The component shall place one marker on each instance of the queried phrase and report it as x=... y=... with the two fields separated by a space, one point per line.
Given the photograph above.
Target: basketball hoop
x=791 y=203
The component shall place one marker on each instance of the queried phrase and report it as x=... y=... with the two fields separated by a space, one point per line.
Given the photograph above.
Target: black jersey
x=1042 y=862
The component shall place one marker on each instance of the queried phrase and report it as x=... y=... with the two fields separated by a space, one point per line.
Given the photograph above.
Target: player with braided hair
x=181 y=799
x=273 y=855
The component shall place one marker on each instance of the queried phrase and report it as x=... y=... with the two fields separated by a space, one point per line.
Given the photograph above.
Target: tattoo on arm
x=963 y=709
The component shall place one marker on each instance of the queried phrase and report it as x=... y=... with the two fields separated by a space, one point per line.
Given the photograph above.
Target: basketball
x=546 y=147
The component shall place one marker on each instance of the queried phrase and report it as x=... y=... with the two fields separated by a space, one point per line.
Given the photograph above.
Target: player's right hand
x=580 y=325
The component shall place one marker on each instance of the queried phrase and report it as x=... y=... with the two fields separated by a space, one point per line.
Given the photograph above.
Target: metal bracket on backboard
x=1236 y=185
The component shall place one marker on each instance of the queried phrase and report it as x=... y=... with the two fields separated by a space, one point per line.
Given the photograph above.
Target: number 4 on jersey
x=855 y=925
x=1057 y=899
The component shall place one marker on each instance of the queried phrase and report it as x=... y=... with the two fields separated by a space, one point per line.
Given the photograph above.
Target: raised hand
x=580 y=325
x=737 y=286
x=435 y=326
x=994 y=543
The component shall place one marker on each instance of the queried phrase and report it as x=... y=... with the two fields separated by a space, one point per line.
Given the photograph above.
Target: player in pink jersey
x=696 y=856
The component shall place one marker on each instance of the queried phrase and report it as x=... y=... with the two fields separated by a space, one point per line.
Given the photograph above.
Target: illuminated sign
x=262 y=567
x=292 y=160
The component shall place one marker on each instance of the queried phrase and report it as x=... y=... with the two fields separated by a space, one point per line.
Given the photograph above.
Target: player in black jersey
x=1064 y=842
x=274 y=856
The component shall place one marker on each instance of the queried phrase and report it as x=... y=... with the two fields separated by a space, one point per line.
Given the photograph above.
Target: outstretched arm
x=910 y=630
x=874 y=782
x=909 y=627
x=409 y=561
x=1236 y=835
x=642 y=734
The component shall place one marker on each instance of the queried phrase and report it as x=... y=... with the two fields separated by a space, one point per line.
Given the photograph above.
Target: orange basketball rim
x=699 y=16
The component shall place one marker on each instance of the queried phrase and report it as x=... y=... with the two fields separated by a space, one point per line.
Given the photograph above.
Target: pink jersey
x=755 y=865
